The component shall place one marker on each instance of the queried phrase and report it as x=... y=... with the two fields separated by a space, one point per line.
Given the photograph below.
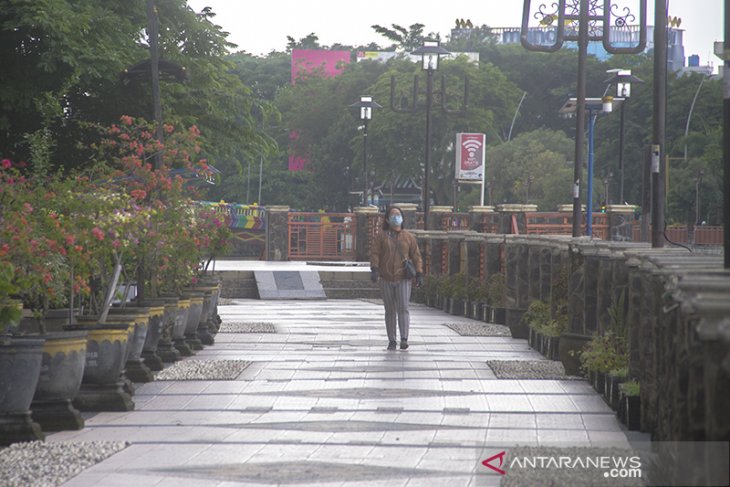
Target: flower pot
x=137 y=319
x=532 y=338
x=485 y=313
x=165 y=351
x=62 y=369
x=445 y=304
x=499 y=316
x=210 y=300
x=515 y=324
x=552 y=348
x=598 y=380
x=568 y=347
x=20 y=368
x=633 y=412
x=197 y=300
x=154 y=331
x=101 y=387
x=456 y=306
x=613 y=394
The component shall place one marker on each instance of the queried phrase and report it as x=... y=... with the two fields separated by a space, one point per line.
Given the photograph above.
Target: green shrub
x=604 y=353
x=630 y=388
x=497 y=290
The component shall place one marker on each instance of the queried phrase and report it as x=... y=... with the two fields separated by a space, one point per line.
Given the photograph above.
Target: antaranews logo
x=499 y=456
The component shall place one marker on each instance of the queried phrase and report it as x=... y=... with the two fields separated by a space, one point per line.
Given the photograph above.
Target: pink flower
x=116 y=244
x=7 y=164
x=98 y=233
x=126 y=120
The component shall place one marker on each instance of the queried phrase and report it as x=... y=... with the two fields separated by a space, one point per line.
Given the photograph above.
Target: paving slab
x=324 y=403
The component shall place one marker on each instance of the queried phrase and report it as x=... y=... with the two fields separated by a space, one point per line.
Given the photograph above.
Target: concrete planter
x=102 y=386
x=456 y=307
x=514 y=321
x=62 y=369
x=21 y=360
x=631 y=412
x=568 y=347
x=498 y=316
x=611 y=392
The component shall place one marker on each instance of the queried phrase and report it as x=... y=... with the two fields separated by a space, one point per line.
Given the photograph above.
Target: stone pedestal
x=277 y=233
x=57 y=415
x=16 y=427
x=508 y=211
x=480 y=218
x=620 y=221
x=103 y=397
x=366 y=221
x=436 y=217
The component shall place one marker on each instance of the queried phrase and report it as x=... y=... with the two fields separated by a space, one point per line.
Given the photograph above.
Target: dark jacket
x=386 y=257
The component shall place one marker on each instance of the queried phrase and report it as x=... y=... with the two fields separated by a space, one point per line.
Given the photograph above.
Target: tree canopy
x=67 y=70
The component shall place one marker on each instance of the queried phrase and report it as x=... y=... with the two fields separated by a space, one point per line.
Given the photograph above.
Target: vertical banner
x=470 y=157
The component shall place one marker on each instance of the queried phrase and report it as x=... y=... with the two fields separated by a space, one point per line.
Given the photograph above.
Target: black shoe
x=391 y=345
x=403 y=344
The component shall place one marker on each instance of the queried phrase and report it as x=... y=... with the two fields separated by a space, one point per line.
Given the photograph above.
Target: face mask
x=395 y=220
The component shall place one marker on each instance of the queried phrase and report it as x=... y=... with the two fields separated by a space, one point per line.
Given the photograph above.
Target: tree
x=76 y=51
x=535 y=167
x=404 y=39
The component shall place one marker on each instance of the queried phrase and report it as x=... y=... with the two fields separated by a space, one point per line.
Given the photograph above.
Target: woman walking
x=394 y=252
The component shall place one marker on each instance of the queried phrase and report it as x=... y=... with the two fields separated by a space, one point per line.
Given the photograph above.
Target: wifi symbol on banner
x=472 y=146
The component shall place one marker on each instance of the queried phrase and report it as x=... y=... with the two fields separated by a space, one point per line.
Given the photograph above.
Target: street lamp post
x=430 y=53
x=582 y=21
x=366 y=106
x=593 y=106
x=623 y=79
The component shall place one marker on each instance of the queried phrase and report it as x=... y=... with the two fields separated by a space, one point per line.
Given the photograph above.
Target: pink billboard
x=307 y=60
x=331 y=63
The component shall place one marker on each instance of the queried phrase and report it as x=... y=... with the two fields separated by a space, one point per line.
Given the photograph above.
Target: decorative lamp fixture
x=430 y=53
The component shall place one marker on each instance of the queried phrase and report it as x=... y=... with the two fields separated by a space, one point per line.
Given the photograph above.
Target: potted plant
x=614 y=379
x=631 y=405
x=458 y=295
x=497 y=293
x=430 y=289
x=602 y=354
x=21 y=365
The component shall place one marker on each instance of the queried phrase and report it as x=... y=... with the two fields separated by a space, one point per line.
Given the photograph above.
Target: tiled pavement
x=324 y=403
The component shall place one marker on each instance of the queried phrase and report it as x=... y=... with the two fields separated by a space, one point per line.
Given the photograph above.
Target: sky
x=260 y=26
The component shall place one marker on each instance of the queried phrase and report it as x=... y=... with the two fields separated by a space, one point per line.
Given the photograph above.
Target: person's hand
x=419 y=280
x=374 y=274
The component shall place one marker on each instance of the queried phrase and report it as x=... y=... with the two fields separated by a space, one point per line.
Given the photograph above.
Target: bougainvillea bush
x=62 y=237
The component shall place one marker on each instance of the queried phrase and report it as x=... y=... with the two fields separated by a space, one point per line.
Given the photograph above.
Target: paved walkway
x=324 y=402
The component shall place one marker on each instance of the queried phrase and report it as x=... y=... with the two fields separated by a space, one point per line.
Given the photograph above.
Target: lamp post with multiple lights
x=366 y=105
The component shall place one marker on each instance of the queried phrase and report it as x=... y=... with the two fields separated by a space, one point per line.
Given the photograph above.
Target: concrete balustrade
x=675 y=306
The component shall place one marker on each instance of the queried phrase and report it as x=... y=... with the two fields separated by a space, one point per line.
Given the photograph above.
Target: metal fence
x=321 y=236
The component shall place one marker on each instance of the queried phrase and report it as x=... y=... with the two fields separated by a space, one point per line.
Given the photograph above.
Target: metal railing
x=321 y=236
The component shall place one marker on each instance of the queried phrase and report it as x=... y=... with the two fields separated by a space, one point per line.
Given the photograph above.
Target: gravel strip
x=479 y=329
x=48 y=464
x=529 y=369
x=552 y=475
x=247 y=327
x=204 y=370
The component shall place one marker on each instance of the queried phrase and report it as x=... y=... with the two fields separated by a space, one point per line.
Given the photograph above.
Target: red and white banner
x=469 y=164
